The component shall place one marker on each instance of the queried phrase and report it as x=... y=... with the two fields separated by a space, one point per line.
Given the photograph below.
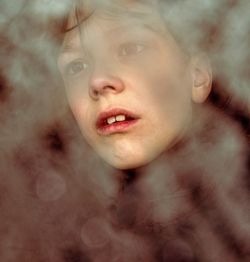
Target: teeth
x=120 y=118
x=113 y=119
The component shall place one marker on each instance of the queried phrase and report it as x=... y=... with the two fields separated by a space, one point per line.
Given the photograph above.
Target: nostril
x=95 y=92
x=109 y=88
x=102 y=90
x=102 y=85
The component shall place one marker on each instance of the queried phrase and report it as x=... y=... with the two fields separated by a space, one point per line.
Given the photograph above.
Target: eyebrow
x=128 y=28
x=72 y=47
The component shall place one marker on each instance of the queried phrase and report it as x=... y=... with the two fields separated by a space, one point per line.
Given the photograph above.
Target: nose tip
x=105 y=85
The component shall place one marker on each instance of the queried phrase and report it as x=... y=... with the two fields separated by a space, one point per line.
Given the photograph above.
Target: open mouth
x=115 y=120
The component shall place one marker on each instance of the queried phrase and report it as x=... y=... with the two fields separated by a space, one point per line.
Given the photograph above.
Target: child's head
x=130 y=85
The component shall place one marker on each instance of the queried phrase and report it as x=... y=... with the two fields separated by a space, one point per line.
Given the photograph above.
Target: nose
x=104 y=83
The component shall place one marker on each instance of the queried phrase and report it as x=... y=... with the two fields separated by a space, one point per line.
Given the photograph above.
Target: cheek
x=170 y=100
x=168 y=74
x=167 y=87
x=76 y=89
x=82 y=115
x=77 y=96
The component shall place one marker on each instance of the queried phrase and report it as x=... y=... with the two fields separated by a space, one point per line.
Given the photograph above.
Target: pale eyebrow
x=127 y=28
x=73 y=47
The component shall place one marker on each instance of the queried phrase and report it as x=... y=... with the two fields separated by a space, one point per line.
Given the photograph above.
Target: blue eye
x=76 y=67
x=129 y=49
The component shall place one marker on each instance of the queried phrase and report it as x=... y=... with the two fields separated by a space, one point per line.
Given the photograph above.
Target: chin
x=126 y=155
x=126 y=163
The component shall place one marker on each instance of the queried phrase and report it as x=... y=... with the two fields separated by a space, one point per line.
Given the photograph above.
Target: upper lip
x=104 y=115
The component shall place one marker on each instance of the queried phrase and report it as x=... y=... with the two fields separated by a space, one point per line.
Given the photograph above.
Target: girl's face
x=129 y=85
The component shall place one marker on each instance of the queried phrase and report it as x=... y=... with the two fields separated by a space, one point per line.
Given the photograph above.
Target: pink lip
x=118 y=127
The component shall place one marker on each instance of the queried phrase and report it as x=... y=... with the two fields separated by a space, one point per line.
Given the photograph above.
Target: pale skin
x=131 y=63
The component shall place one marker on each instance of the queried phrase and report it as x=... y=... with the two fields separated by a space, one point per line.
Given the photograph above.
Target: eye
x=76 y=67
x=129 y=49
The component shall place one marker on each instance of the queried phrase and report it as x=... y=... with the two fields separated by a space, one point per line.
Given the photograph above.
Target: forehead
x=110 y=17
x=85 y=11
x=113 y=18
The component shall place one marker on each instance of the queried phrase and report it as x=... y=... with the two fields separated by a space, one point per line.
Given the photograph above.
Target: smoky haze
x=55 y=191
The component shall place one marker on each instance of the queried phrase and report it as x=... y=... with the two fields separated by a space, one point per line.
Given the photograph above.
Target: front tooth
x=120 y=118
x=111 y=120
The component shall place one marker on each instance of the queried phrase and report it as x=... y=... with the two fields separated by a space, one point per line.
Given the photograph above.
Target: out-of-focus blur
x=55 y=191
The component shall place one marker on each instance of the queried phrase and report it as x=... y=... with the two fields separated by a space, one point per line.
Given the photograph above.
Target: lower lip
x=117 y=127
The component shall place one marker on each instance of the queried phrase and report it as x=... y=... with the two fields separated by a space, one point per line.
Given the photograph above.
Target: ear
x=202 y=78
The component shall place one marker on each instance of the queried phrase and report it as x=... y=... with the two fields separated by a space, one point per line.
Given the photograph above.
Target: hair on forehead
x=82 y=10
